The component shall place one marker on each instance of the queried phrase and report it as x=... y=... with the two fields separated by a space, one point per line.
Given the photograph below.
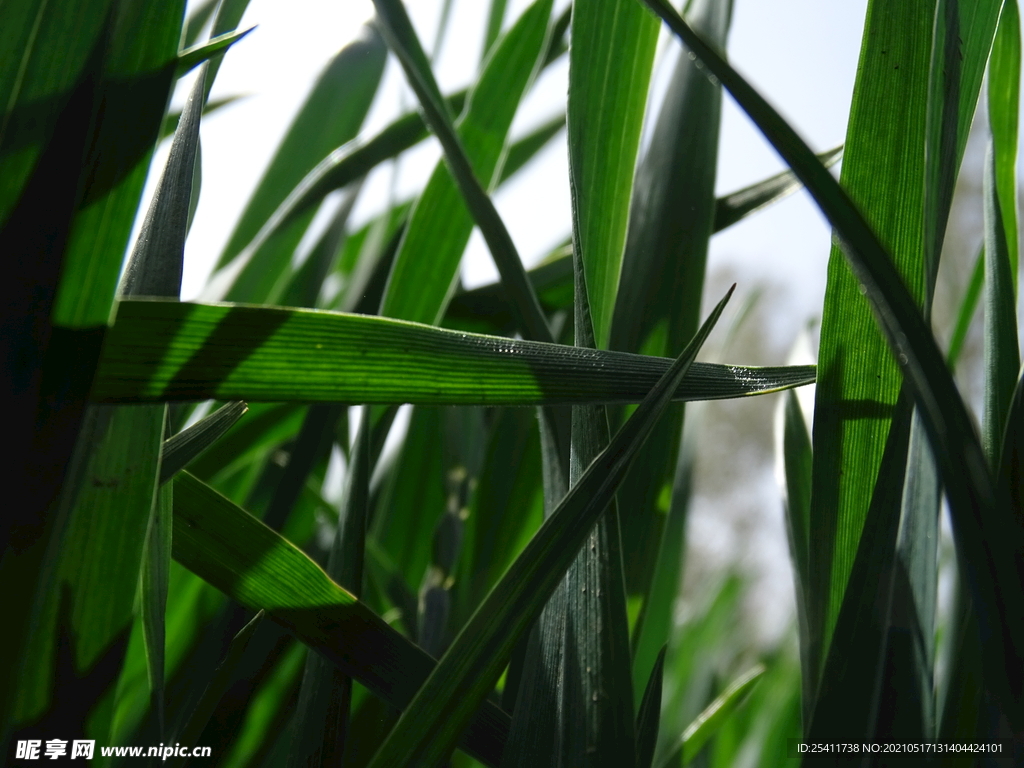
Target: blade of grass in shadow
x=989 y=541
x=265 y=424
x=312 y=445
x=1002 y=355
x=796 y=459
x=852 y=679
x=325 y=696
x=596 y=718
x=736 y=206
x=181 y=449
x=162 y=351
x=907 y=697
x=429 y=727
x=219 y=684
x=505 y=510
x=154 y=579
x=331 y=115
x=650 y=714
x=80 y=169
x=658 y=308
x=419 y=286
x=1011 y=464
x=414 y=499
x=256 y=567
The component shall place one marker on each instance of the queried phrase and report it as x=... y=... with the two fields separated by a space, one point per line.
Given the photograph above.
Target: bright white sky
x=802 y=54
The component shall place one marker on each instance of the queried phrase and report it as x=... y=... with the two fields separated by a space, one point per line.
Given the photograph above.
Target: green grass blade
x=969 y=487
x=414 y=500
x=1002 y=354
x=144 y=41
x=673 y=205
x=420 y=283
x=736 y=206
x=263 y=426
x=312 y=446
x=259 y=569
x=155 y=265
x=192 y=57
x=968 y=306
x=1011 y=472
x=164 y=351
x=485 y=309
x=325 y=696
x=229 y=16
x=848 y=693
x=495 y=17
x=710 y=720
x=429 y=727
x=522 y=151
x=608 y=78
x=907 y=710
x=797 y=461
x=181 y=449
x=655 y=622
x=171 y=119
x=156 y=565
x=198 y=18
x=219 y=684
x=307 y=282
x=597 y=718
x=505 y=510
x=330 y=116
x=694 y=654
x=650 y=714
x=883 y=169
x=963 y=37
x=1003 y=117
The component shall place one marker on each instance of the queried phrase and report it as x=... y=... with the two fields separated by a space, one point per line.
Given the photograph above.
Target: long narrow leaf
x=160 y=351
